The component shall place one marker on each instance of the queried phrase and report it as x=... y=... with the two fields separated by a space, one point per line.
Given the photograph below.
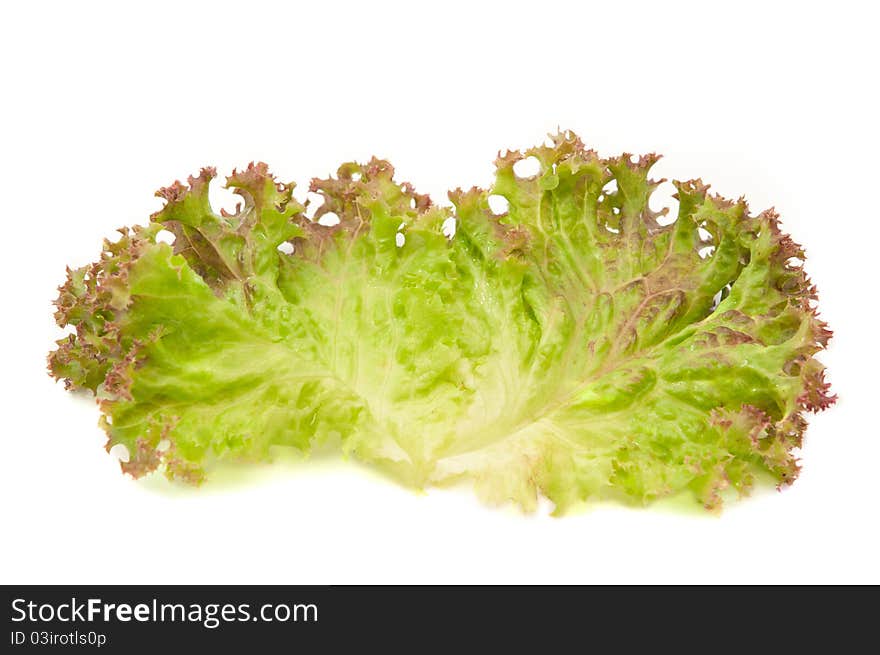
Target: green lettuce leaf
x=571 y=346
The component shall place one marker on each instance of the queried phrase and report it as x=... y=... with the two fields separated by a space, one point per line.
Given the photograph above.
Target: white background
x=102 y=104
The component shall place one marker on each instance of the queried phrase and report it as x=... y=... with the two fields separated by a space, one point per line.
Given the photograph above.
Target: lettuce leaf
x=571 y=346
